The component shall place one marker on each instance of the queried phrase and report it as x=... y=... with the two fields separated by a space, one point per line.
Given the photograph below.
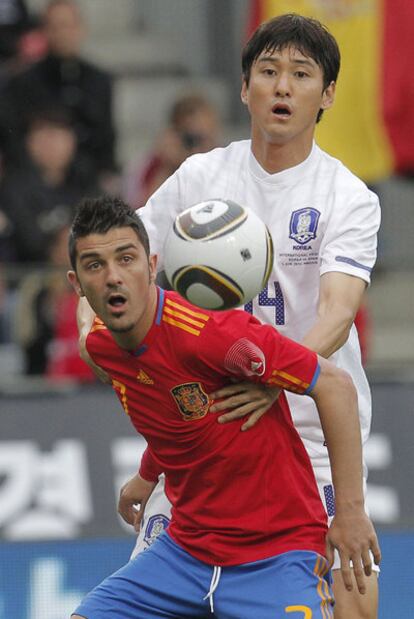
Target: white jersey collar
x=305 y=167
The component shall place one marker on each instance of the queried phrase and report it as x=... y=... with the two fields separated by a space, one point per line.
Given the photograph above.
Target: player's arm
x=348 y=253
x=133 y=498
x=85 y=317
x=339 y=300
x=351 y=531
x=243 y=347
x=340 y=296
x=135 y=493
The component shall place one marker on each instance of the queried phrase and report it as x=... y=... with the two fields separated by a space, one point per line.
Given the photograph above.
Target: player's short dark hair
x=98 y=216
x=308 y=35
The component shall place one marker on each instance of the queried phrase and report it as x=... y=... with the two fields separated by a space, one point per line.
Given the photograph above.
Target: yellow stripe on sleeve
x=281 y=383
x=97 y=327
x=196 y=323
x=180 y=325
x=290 y=378
x=187 y=310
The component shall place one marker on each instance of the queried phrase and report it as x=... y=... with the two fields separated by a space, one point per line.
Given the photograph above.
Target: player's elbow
x=347 y=320
x=334 y=380
x=345 y=384
x=345 y=331
x=344 y=316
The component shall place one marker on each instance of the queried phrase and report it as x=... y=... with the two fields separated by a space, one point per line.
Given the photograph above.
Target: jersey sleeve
x=350 y=241
x=236 y=344
x=161 y=210
x=149 y=468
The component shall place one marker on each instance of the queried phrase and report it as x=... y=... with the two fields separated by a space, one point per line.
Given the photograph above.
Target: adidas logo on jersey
x=142 y=377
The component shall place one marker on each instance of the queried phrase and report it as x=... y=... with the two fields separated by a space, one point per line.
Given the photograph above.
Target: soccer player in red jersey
x=248 y=530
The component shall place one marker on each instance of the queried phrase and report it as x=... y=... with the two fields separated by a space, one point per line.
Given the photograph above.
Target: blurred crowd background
x=98 y=96
x=105 y=96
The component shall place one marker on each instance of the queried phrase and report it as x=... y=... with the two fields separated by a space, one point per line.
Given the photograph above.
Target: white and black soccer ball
x=218 y=254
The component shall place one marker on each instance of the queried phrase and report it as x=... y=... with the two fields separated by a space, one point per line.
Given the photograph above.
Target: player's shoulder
x=99 y=336
x=178 y=313
x=343 y=175
x=343 y=183
x=210 y=175
x=234 y=152
x=182 y=319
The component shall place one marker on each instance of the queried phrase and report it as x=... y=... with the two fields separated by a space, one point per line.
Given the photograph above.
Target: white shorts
x=157 y=516
x=158 y=512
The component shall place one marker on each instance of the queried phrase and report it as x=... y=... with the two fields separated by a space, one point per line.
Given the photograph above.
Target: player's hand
x=353 y=535
x=133 y=498
x=244 y=399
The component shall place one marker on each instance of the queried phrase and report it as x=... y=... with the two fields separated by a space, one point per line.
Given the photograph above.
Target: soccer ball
x=218 y=255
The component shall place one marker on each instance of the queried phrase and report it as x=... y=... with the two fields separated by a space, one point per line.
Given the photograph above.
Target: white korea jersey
x=321 y=217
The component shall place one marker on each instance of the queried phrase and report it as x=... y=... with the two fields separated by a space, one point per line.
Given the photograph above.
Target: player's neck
x=274 y=157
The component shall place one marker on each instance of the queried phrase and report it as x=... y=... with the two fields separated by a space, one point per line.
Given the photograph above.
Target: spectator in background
x=46 y=326
x=14 y=22
x=19 y=43
x=193 y=127
x=38 y=297
x=64 y=78
x=37 y=194
x=6 y=242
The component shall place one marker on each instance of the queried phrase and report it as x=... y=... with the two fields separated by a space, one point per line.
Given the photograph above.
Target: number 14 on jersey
x=275 y=300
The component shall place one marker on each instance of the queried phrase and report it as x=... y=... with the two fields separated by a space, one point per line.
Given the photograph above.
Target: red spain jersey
x=236 y=496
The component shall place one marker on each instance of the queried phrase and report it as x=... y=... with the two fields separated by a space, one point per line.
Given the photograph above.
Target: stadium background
x=64 y=449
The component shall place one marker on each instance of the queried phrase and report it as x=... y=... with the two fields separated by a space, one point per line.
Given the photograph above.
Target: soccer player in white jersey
x=324 y=224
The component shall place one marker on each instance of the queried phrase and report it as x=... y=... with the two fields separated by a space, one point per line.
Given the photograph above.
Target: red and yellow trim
x=320 y=570
x=97 y=325
x=287 y=381
x=183 y=317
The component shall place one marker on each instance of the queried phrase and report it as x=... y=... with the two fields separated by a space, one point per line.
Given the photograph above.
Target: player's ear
x=74 y=282
x=243 y=93
x=152 y=262
x=328 y=96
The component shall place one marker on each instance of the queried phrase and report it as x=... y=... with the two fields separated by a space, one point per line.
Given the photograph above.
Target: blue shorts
x=165 y=581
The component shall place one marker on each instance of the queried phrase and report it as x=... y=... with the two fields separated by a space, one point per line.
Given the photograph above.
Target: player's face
x=116 y=276
x=284 y=95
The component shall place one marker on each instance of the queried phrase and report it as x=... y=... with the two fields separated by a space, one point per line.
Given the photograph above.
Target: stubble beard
x=121 y=328
x=125 y=329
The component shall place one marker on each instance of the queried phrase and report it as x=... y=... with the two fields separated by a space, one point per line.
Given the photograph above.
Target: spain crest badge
x=191 y=400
